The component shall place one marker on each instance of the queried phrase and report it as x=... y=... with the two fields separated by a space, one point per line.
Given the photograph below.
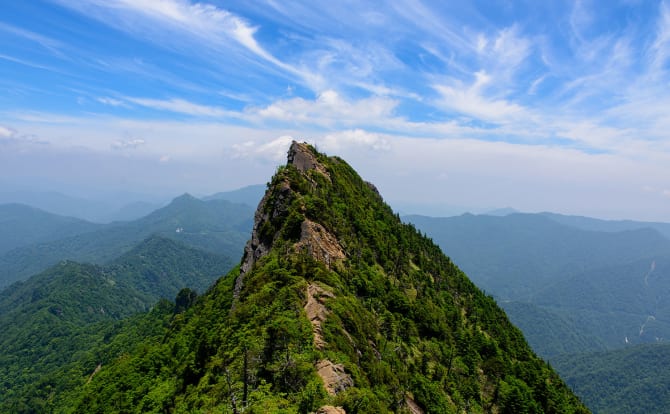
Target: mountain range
x=583 y=291
x=217 y=226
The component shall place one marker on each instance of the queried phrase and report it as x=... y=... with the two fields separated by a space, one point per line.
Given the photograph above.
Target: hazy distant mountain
x=58 y=203
x=250 y=195
x=131 y=211
x=587 y=223
x=505 y=211
x=103 y=209
x=516 y=256
x=217 y=226
x=22 y=225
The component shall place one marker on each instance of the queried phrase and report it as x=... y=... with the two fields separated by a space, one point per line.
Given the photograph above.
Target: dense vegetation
x=625 y=381
x=59 y=325
x=550 y=332
x=217 y=226
x=604 y=285
x=405 y=325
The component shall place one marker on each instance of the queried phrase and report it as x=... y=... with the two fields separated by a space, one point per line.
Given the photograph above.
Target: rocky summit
x=336 y=307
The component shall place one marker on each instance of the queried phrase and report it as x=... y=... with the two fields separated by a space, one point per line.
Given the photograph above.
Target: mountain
x=517 y=256
x=337 y=307
x=588 y=223
x=605 y=287
x=216 y=226
x=551 y=332
x=22 y=225
x=58 y=325
x=131 y=211
x=623 y=304
x=250 y=195
x=625 y=381
x=55 y=203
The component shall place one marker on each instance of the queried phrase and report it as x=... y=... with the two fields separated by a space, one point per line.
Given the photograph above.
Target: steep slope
x=339 y=304
x=22 y=225
x=216 y=226
x=52 y=323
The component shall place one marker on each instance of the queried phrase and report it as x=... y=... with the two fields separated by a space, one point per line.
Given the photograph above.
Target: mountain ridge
x=336 y=303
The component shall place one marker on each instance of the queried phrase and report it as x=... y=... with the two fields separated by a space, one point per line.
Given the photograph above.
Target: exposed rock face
x=317 y=312
x=329 y=409
x=319 y=243
x=303 y=159
x=335 y=379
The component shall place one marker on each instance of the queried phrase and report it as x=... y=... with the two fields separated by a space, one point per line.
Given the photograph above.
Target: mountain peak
x=339 y=304
x=303 y=157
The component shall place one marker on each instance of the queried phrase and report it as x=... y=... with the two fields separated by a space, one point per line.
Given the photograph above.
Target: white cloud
x=328 y=109
x=274 y=150
x=127 y=144
x=352 y=140
x=6 y=132
x=471 y=102
x=188 y=26
x=111 y=101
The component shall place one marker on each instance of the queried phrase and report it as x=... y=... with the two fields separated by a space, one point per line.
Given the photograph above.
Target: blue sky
x=542 y=106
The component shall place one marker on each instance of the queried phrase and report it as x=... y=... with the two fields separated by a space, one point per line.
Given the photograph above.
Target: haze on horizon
x=542 y=106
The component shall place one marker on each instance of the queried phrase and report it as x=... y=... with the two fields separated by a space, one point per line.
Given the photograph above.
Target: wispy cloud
x=182 y=106
x=111 y=101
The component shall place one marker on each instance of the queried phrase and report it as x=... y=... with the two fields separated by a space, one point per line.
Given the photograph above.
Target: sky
x=559 y=106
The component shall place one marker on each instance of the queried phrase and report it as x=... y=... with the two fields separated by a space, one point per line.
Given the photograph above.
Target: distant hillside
x=551 y=333
x=516 y=256
x=55 y=324
x=250 y=195
x=57 y=203
x=587 y=223
x=634 y=380
x=22 y=225
x=600 y=288
x=622 y=304
x=217 y=226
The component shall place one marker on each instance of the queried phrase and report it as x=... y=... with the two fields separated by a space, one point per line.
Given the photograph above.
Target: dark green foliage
x=215 y=226
x=551 y=332
x=631 y=381
x=402 y=320
x=598 y=287
x=59 y=325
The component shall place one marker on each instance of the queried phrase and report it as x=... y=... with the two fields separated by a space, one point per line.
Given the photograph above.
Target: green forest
x=401 y=325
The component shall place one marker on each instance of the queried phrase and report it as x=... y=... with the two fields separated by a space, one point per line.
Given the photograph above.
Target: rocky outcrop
x=334 y=377
x=301 y=156
x=314 y=238
x=319 y=243
x=329 y=409
x=317 y=312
